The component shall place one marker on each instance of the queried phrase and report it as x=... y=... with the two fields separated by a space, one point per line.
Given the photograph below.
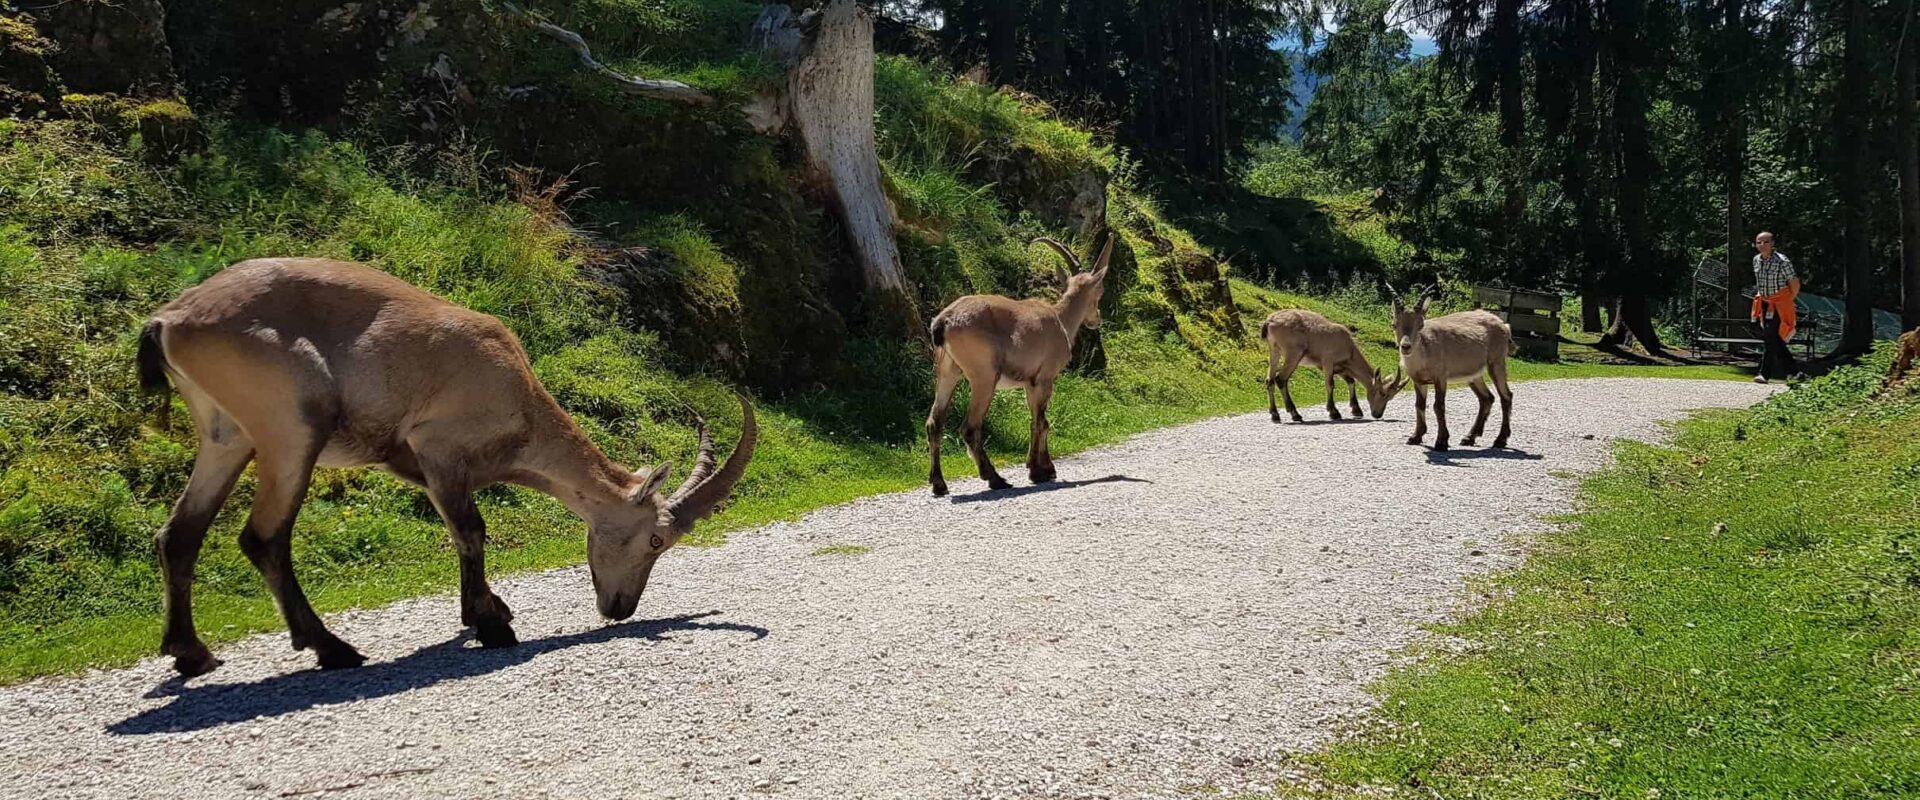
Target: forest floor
x=1185 y=610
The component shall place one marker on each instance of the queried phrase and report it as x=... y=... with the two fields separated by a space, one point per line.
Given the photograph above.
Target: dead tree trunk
x=828 y=100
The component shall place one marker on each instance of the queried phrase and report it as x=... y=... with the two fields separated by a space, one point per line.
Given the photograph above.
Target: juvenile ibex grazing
x=998 y=342
x=290 y=363
x=1468 y=346
x=1295 y=336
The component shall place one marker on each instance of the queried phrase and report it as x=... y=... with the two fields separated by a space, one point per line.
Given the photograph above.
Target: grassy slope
x=1735 y=615
x=94 y=233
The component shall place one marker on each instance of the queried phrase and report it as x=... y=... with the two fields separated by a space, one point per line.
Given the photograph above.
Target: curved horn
x=702 y=467
x=1073 y=261
x=705 y=496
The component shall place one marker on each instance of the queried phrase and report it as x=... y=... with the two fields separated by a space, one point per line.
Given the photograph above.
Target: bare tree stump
x=828 y=55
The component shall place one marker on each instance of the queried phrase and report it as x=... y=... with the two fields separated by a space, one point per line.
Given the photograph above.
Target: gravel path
x=1190 y=605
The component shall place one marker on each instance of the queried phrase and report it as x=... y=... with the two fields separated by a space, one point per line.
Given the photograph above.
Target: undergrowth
x=1733 y=615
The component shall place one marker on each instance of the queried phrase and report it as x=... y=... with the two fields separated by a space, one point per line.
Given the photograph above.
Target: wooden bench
x=1533 y=316
x=1742 y=335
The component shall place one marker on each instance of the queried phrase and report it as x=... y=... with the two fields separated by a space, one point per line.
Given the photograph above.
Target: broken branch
x=646 y=87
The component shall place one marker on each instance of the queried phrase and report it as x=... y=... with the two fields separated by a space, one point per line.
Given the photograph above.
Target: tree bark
x=1733 y=165
x=1590 y=313
x=830 y=97
x=1003 y=40
x=1851 y=135
x=1507 y=51
x=1906 y=140
x=1638 y=170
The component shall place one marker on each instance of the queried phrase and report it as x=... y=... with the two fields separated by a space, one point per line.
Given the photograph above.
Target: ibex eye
x=655 y=541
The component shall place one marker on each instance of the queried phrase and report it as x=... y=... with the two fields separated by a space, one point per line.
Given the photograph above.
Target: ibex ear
x=651 y=484
x=1422 y=308
x=1106 y=256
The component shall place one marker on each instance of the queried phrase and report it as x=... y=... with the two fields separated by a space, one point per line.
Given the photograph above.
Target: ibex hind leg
x=1479 y=387
x=946 y=379
x=215 y=468
x=1499 y=372
x=974 y=430
x=267 y=541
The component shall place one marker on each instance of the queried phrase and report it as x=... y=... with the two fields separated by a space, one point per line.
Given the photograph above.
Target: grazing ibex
x=998 y=342
x=1296 y=336
x=292 y=363
x=1468 y=346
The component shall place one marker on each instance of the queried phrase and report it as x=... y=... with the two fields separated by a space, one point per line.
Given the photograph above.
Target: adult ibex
x=1295 y=336
x=290 y=363
x=998 y=342
x=1468 y=346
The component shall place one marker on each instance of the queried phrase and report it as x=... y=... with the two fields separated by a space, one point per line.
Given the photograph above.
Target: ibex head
x=1082 y=286
x=1407 y=324
x=1381 y=388
x=623 y=544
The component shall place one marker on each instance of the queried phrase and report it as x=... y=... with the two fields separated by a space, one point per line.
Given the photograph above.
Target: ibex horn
x=1073 y=261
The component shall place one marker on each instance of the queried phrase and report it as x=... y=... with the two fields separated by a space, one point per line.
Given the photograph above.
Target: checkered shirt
x=1771 y=274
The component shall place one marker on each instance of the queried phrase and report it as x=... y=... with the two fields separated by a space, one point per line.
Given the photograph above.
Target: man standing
x=1775 y=285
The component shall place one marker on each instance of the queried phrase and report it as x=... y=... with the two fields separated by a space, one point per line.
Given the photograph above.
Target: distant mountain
x=1306 y=82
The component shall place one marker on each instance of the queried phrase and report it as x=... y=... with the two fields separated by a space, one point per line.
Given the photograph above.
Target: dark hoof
x=1440 y=444
x=495 y=633
x=940 y=489
x=341 y=656
x=996 y=484
x=1500 y=444
x=1298 y=418
x=1467 y=442
x=1042 y=476
x=1276 y=419
x=193 y=660
x=1414 y=439
x=1357 y=415
x=1333 y=414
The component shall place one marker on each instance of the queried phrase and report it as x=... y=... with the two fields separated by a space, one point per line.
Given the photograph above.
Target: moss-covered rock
x=29 y=87
x=111 y=46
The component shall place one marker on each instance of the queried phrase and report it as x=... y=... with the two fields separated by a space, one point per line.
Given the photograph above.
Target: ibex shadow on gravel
x=1000 y=343
x=293 y=363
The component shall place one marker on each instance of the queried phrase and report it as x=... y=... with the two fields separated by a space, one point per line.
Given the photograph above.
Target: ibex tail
x=151 y=360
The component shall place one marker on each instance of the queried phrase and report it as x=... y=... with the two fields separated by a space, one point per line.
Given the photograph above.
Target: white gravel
x=1188 y=607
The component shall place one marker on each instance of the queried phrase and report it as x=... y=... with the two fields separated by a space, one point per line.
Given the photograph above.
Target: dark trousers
x=1776 y=361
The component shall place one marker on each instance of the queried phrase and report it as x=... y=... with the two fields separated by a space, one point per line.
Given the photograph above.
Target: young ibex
x=1468 y=346
x=997 y=342
x=1295 y=336
x=292 y=363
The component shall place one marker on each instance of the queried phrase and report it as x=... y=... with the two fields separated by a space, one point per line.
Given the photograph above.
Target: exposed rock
x=28 y=85
x=111 y=46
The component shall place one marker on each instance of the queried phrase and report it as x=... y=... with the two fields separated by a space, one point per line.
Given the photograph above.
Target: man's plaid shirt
x=1771 y=274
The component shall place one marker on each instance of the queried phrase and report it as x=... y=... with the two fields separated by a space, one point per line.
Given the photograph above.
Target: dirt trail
x=1187 y=606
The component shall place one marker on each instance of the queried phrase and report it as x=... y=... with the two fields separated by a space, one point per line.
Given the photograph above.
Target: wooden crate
x=1533 y=316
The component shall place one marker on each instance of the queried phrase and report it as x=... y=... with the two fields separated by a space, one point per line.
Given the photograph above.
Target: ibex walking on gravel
x=1295 y=336
x=998 y=342
x=290 y=363
x=1468 y=346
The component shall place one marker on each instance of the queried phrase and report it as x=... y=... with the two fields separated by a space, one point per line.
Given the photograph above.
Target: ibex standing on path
x=290 y=363
x=1468 y=346
x=998 y=342
x=1295 y=336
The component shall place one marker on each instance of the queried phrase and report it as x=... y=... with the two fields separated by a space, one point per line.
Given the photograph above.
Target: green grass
x=1735 y=615
x=843 y=550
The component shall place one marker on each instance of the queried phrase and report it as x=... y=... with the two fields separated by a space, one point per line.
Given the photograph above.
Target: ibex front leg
x=1039 y=457
x=1419 y=414
x=480 y=608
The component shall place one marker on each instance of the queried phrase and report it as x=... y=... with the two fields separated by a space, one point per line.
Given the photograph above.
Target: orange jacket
x=1782 y=304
